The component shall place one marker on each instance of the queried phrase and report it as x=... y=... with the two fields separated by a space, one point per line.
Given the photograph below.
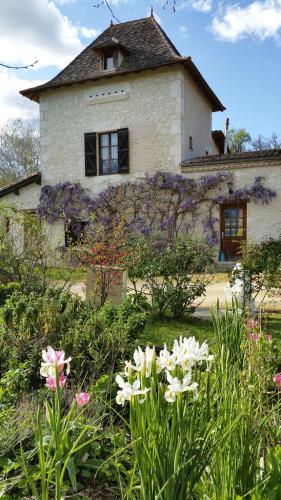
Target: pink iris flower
x=277 y=379
x=254 y=336
x=51 y=382
x=82 y=398
x=252 y=323
x=53 y=359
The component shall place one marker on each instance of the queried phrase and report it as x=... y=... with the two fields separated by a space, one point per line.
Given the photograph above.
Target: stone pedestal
x=117 y=291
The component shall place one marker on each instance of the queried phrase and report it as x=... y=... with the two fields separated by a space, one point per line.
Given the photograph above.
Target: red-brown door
x=233 y=229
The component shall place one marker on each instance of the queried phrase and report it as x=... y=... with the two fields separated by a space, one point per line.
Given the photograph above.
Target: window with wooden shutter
x=123 y=151
x=90 y=154
x=108 y=153
x=113 y=157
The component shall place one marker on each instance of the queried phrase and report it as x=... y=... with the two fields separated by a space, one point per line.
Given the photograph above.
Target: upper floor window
x=108 y=149
x=190 y=142
x=107 y=152
x=109 y=59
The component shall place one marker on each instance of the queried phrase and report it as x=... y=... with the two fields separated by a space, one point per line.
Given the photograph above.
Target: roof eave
x=33 y=93
x=201 y=82
x=14 y=187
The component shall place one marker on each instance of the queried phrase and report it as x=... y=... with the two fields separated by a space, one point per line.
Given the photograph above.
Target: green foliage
x=19 y=149
x=262 y=263
x=13 y=383
x=7 y=290
x=95 y=339
x=174 y=274
x=244 y=374
x=238 y=140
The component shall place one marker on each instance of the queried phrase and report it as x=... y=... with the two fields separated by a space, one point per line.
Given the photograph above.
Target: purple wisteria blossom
x=166 y=203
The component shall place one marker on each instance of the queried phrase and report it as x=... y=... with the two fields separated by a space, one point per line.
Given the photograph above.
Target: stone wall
x=263 y=221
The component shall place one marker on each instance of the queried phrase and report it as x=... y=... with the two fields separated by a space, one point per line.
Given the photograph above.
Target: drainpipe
x=226 y=136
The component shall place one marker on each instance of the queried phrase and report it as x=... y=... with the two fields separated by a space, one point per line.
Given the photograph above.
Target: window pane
x=234 y=212
x=109 y=63
x=105 y=166
x=114 y=152
x=114 y=166
x=227 y=232
x=114 y=139
x=104 y=153
x=105 y=140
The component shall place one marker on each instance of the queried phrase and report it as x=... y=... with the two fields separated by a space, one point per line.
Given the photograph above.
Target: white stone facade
x=161 y=109
x=263 y=221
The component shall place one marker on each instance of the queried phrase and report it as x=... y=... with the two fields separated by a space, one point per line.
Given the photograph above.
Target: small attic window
x=109 y=59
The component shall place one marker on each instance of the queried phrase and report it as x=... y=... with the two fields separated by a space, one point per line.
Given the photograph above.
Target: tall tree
x=272 y=142
x=238 y=140
x=19 y=149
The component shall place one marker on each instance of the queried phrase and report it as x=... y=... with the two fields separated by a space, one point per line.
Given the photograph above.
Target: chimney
x=226 y=136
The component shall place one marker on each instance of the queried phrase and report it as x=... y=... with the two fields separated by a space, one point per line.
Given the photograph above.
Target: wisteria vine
x=161 y=202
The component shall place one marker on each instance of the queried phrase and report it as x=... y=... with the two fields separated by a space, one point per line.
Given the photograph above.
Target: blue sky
x=236 y=46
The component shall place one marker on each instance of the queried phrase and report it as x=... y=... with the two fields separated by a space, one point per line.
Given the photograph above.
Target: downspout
x=226 y=136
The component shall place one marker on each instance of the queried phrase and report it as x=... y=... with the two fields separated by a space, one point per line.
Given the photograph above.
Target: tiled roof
x=15 y=186
x=219 y=138
x=246 y=156
x=145 y=46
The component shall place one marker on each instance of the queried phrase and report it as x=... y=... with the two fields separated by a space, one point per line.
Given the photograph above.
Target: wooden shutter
x=123 y=151
x=90 y=154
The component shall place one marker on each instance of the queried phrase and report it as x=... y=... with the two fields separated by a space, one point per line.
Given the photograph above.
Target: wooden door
x=233 y=217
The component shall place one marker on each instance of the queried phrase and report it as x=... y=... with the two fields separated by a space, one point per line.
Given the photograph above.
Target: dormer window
x=109 y=59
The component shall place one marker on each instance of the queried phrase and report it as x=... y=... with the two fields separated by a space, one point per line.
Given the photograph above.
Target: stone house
x=131 y=105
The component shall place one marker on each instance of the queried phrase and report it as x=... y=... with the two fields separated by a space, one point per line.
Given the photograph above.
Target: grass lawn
x=158 y=332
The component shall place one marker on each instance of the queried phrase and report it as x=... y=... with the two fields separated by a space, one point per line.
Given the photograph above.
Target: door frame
x=233 y=204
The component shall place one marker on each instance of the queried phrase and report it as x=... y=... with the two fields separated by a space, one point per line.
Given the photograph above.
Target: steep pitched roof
x=145 y=46
x=244 y=157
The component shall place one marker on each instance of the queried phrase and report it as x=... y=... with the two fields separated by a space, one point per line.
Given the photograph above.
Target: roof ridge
x=239 y=156
x=95 y=41
x=132 y=21
x=165 y=38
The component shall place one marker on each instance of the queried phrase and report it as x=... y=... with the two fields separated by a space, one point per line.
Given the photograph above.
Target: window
x=75 y=232
x=107 y=152
x=190 y=142
x=109 y=59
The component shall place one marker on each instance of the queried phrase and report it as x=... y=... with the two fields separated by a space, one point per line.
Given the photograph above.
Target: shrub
x=96 y=339
x=173 y=274
x=261 y=263
x=7 y=290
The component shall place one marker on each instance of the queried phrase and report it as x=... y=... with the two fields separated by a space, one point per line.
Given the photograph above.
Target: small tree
x=26 y=254
x=104 y=254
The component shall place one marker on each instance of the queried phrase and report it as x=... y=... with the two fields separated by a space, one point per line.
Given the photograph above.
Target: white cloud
x=64 y=2
x=259 y=19
x=12 y=104
x=88 y=32
x=200 y=5
x=183 y=31
x=36 y=29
